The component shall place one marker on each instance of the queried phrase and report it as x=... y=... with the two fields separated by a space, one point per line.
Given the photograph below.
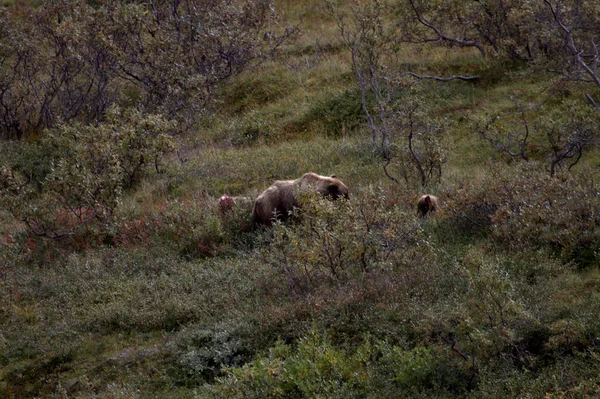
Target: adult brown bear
x=427 y=203
x=277 y=201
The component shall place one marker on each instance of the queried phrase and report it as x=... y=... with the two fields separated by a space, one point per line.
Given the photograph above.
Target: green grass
x=496 y=296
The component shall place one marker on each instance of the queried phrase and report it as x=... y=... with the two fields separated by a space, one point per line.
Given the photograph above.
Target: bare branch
x=568 y=143
x=516 y=137
x=439 y=79
x=577 y=53
x=440 y=35
x=591 y=100
x=415 y=157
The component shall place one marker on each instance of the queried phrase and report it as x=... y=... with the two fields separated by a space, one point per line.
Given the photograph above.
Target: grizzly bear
x=276 y=202
x=427 y=203
x=227 y=202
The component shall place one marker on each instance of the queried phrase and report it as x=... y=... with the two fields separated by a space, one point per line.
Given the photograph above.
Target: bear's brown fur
x=427 y=203
x=277 y=201
x=227 y=202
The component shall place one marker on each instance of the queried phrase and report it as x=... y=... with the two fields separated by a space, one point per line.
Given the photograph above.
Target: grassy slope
x=118 y=321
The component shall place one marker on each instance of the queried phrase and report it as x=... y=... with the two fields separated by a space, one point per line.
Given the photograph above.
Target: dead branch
x=440 y=79
x=440 y=36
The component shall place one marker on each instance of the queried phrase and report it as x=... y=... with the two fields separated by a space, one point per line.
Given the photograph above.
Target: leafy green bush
x=203 y=353
x=314 y=367
x=85 y=171
x=522 y=208
x=419 y=372
x=339 y=241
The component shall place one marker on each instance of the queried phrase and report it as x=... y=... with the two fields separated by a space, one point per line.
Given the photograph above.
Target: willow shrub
x=84 y=171
x=335 y=242
x=522 y=208
x=562 y=214
x=72 y=60
x=314 y=367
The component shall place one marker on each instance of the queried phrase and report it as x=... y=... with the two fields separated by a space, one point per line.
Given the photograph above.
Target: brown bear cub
x=427 y=203
x=227 y=202
x=276 y=202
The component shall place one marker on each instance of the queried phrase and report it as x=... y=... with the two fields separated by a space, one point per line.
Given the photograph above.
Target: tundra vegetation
x=122 y=123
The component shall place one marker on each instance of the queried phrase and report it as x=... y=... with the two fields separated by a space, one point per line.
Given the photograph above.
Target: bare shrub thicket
x=557 y=35
x=401 y=130
x=558 y=137
x=71 y=60
x=486 y=25
x=576 y=30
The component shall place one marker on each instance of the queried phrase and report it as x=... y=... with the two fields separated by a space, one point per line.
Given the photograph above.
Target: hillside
x=122 y=125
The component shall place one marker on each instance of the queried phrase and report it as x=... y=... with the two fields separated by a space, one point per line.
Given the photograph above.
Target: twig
x=439 y=79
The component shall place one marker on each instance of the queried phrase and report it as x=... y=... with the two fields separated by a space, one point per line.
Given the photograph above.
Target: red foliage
x=29 y=247
x=134 y=232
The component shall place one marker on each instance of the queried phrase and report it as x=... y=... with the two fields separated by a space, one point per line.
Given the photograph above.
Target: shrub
x=522 y=208
x=419 y=371
x=416 y=150
x=204 y=352
x=315 y=367
x=237 y=225
x=335 y=242
x=567 y=134
x=72 y=60
x=84 y=172
x=560 y=214
x=190 y=228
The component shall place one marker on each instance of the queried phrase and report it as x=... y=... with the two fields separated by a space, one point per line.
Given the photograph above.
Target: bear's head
x=334 y=188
